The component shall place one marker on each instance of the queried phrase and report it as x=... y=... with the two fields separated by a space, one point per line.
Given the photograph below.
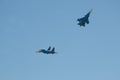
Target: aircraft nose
x=91 y=10
x=38 y=51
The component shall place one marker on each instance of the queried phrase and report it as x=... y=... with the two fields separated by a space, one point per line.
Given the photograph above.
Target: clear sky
x=84 y=53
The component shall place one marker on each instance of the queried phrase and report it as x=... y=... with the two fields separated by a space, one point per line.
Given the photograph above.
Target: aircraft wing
x=80 y=19
x=87 y=21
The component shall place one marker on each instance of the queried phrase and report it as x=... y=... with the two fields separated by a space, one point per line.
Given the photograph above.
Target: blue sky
x=84 y=53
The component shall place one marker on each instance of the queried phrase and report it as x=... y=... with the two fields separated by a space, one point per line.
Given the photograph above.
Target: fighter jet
x=84 y=19
x=48 y=51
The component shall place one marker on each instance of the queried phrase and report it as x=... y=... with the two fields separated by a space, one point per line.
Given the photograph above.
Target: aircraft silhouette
x=84 y=19
x=48 y=51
